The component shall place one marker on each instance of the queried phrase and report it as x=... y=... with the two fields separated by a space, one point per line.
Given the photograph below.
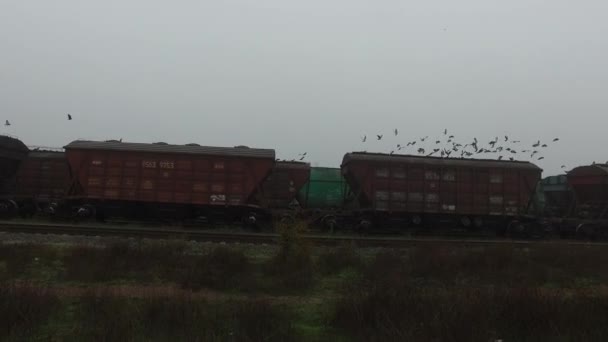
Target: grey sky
x=311 y=75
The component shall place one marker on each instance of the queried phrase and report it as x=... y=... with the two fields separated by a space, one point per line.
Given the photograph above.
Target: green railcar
x=326 y=189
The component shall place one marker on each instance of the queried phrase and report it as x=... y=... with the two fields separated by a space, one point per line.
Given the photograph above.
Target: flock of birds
x=446 y=146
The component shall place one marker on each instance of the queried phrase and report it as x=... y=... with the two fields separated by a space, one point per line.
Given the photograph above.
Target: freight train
x=369 y=192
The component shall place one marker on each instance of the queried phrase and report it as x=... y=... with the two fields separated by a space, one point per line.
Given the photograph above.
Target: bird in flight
x=556 y=139
x=541 y=158
x=364 y=138
x=563 y=166
x=445 y=131
x=396 y=132
x=69 y=117
x=7 y=123
x=379 y=136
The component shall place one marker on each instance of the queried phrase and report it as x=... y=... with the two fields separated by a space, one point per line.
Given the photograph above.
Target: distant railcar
x=589 y=214
x=557 y=196
x=12 y=153
x=426 y=191
x=283 y=184
x=42 y=181
x=162 y=180
x=326 y=189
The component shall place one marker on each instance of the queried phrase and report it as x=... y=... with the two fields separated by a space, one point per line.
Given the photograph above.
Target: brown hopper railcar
x=425 y=191
x=162 y=180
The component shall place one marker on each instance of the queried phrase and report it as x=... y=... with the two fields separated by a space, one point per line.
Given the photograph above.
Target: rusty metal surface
x=12 y=148
x=588 y=170
x=437 y=161
x=161 y=177
x=284 y=183
x=43 y=176
x=423 y=185
x=173 y=149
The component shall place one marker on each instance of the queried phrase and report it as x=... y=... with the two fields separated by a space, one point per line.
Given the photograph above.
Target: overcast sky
x=313 y=75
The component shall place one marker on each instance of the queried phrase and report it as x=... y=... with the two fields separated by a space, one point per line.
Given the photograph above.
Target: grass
x=24 y=308
x=297 y=291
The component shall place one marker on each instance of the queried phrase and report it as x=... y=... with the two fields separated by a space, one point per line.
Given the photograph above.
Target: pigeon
x=421 y=150
x=379 y=136
x=563 y=166
x=541 y=158
x=544 y=145
x=500 y=158
x=511 y=159
x=445 y=131
x=69 y=117
x=302 y=158
x=437 y=142
x=537 y=144
x=396 y=132
x=556 y=139
x=7 y=123
x=506 y=138
x=364 y=138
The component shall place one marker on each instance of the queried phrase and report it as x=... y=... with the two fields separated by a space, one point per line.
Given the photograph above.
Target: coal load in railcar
x=12 y=153
x=150 y=181
x=430 y=192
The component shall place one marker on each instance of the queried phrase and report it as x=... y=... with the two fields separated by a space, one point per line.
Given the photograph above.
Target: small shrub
x=223 y=268
x=24 y=307
x=104 y=317
x=17 y=258
x=142 y=262
x=338 y=259
x=293 y=264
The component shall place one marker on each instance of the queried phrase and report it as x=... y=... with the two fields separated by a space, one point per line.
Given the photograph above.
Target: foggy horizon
x=309 y=76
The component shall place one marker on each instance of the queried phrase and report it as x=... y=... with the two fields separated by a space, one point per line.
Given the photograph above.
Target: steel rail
x=269 y=238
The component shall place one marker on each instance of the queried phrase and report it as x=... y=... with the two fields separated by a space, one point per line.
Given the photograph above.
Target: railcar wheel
x=329 y=223
x=8 y=208
x=416 y=220
x=587 y=230
x=465 y=221
x=516 y=229
x=85 y=211
x=365 y=225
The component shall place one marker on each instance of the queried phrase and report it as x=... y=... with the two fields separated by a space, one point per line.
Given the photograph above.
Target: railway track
x=265 y=238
